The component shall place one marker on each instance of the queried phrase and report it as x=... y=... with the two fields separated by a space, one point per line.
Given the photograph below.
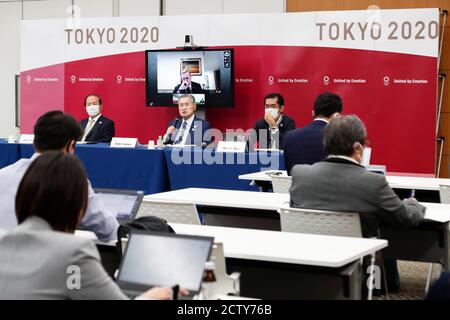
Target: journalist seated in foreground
x=44 y=259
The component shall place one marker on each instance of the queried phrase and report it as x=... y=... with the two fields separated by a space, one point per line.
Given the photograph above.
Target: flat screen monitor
x=207 y=74
x=163 y=259
x=124 y=204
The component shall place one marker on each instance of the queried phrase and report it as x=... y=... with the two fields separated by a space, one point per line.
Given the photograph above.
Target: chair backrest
x=281 y=184
x=347 y=224
x=172 y=212
x=225 y=284
x=218 y=257
x=444 y=193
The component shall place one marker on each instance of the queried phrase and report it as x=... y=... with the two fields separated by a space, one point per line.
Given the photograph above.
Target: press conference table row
x=395 y=181
x=281 y=265
x=158 y=170
x=429 y=242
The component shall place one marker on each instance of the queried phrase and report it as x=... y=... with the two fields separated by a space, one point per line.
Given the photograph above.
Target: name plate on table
x=123 y=142
x=231 y=146
x=26 y=138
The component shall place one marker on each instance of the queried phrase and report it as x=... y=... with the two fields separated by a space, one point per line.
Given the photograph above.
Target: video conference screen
x=206 y=74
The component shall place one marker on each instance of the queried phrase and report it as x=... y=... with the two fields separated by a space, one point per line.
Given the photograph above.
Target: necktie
x=183 y=129
x=88 y=128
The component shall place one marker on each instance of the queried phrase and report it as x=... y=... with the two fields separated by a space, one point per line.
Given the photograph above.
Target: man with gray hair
x=187 y=129
x=186 y=84
x=341 y=183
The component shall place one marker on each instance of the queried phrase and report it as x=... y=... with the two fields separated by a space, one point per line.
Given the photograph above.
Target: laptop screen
x=164 y=259
x=124 y=204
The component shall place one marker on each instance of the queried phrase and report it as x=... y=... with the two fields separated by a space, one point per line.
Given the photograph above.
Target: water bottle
x=159 y=142
x=209 y=281
x=17 y=135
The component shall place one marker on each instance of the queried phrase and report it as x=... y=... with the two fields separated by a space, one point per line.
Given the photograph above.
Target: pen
x=175 y=290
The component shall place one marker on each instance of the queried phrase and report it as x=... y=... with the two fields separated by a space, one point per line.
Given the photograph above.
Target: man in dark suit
x=304 y=145
x=271 y=130
x=97 y=128
x=187 y=85
x=341 y=183
x=187 y=129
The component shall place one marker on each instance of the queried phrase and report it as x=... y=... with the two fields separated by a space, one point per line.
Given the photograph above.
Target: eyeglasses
x=276 y=106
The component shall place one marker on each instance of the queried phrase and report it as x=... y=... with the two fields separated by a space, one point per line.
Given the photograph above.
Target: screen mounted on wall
x=207 y=74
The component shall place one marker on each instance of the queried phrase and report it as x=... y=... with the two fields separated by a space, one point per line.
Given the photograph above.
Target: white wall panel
x=95 y=8
x=253 y=6
x=183 y=7
x=10 y=14
x=47 y=9
x=129 y=8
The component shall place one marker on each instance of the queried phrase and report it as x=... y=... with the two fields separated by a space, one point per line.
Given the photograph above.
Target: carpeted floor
x=413 y=277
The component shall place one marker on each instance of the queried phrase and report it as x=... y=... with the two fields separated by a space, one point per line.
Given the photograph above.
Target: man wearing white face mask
x=97 y=128
x=270 y=130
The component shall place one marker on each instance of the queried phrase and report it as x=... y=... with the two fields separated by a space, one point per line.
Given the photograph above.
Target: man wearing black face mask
x=54 y=131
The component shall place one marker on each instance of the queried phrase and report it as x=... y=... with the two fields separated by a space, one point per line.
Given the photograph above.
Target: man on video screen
x=186 y=85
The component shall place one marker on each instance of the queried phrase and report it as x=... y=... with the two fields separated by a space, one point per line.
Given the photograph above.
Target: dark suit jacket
x=196 y=131
x=341 y=185
x=196 y=88
x=103 y=130
x=286 y=125
x=304 y=145
x=440 y=290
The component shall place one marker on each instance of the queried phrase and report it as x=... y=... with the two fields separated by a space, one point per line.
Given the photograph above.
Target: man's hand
x=170 y=130
x=161 y=293
x=184 y=85
x=268 y=117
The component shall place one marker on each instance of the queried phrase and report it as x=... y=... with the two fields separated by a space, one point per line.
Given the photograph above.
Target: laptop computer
x=154 y=259
x=124 y=204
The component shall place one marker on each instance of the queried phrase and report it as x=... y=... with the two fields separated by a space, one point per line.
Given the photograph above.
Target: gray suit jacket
x=341 y=185
x=39 y=263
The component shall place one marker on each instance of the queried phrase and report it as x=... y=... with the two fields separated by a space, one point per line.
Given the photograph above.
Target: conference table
x=231 y=208
x=283 y=265
x=159 y=169
x=396 y=182
x=424 y=187
x=207 y=168
x=119 y=168
x=429 y=242
x=9 y=153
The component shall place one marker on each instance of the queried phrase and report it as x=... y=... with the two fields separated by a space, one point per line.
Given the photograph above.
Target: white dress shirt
x=97 y=219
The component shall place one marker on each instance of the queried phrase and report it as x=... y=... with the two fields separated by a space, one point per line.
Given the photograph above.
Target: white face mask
x=93 y=110
x=273 y=111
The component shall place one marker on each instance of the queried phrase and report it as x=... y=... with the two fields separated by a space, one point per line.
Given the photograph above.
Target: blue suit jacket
x=196 y=131
x=304 y=145
x=440 y=290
